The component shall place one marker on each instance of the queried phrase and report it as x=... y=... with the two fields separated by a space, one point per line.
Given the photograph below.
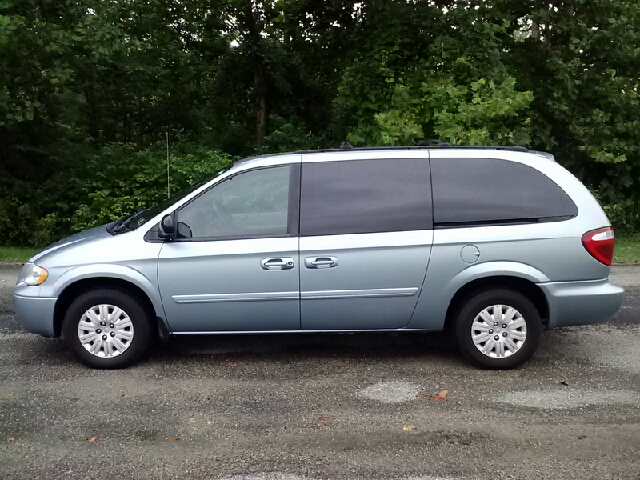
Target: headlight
x=32 y=274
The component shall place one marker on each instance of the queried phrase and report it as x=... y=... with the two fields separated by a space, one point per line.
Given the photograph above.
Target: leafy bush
x=624 y=213
x=107 y=184
x=287 y=136
x=125 y=181
x=486 y=112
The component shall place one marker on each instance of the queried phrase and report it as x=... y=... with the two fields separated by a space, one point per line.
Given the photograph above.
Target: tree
x=434 y=70
x=581 y=60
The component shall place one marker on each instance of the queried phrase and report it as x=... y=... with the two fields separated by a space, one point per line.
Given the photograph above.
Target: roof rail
x=441 y=145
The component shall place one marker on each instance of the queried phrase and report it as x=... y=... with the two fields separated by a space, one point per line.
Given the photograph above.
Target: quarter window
x=365 y=196
x=253 y=203
x=492 y=191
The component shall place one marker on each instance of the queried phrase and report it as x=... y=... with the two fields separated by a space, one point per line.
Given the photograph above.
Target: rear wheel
x=107 y=328
x=498 y=329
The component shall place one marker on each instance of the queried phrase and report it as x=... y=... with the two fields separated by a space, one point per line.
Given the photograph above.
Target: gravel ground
x=295 y=407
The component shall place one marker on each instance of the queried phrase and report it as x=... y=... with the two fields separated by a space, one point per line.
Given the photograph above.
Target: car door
x=235 y=265
x=365 y=239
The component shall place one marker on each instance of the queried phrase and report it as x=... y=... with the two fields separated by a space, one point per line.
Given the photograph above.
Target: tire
x=517 y=330
x=107 y=329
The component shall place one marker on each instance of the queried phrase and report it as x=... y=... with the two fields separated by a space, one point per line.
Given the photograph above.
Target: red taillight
x=599 y=244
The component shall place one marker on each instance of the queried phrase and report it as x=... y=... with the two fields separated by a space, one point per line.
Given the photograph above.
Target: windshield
x=138 y=219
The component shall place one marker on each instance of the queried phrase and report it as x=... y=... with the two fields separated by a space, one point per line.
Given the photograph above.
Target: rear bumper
x=35 y=314
x=581 y=303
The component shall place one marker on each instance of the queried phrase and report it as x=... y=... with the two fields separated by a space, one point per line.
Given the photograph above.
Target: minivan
x=492 y=244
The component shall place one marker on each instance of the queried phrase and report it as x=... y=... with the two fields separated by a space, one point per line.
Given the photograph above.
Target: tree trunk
x=92 y=113
x=261 y=117
x=252 y=37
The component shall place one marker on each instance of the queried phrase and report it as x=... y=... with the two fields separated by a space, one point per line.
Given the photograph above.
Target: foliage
x=484 y=113
x=110 y=182
x=88 y=87
x=623 y=212
x=288 y=136
x=133 y=180
x=582 y=62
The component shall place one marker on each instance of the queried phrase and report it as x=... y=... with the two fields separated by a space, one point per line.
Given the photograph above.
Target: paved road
x=336 y=406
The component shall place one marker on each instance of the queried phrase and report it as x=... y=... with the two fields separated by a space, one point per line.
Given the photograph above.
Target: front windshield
x=143 y=216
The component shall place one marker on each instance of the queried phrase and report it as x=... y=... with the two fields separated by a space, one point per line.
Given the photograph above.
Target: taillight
x=599 y=244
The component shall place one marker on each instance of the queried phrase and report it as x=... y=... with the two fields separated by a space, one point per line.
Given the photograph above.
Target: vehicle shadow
x=301 y=345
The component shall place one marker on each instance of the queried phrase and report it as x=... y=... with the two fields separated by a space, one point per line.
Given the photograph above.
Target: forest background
x=90 y=89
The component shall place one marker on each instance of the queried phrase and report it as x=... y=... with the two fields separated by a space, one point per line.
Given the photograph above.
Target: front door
x=235 y=267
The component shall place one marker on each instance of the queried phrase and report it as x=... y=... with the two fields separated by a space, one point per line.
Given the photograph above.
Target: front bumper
x=581 y=303
x=35 y=314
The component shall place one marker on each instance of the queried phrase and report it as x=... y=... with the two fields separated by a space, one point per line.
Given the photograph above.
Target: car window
x=365 y=196
x=253 y=203
x=481 y=191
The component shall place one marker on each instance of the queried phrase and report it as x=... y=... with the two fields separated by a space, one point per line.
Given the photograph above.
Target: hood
x=72 y=241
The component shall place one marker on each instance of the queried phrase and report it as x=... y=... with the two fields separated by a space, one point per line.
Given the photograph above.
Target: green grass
x=16 y=254
x=627 y=250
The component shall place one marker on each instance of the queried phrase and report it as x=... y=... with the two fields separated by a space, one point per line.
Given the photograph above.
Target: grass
x=17 y=254
x=627 y=250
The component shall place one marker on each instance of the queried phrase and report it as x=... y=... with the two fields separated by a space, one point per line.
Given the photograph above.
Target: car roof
x=361 y=152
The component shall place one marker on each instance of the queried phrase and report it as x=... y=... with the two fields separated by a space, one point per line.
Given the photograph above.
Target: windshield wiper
x=124 y=222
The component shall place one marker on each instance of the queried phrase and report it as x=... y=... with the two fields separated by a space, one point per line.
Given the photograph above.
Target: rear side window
x=492 y=192
x=365 y=196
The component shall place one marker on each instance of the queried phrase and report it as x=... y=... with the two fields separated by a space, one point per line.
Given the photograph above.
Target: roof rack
x=424 y=145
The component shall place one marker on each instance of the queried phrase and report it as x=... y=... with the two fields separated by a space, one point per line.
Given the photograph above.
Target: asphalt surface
x=293 y=407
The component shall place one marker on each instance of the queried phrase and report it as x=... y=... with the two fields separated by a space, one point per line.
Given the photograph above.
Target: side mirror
x=184 y=231
x=166 y=229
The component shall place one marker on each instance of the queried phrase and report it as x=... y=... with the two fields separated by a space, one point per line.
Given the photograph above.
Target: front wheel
x=107 y=328
x=498 y=329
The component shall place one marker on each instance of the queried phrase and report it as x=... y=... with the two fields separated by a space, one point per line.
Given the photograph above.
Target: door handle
x=284 y=263
x=320 y=262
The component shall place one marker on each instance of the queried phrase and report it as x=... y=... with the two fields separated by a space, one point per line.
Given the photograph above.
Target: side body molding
x=431 y=311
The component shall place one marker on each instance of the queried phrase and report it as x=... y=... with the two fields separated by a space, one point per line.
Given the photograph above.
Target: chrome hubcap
x=499 y=331
x=105 y=331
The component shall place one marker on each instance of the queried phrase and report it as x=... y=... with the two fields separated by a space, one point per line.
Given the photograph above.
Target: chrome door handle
x=284 y=263
x=320 y=262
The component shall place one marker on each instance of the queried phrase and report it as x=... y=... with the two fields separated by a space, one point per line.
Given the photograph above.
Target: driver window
x=253 y=203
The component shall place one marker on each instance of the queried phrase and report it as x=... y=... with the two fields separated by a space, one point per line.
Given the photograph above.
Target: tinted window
x=364 y=196
x=492 y=191
x=253 y=203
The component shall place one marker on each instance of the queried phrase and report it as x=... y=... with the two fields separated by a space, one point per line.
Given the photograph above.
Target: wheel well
x=525 y=287
x=72 y=292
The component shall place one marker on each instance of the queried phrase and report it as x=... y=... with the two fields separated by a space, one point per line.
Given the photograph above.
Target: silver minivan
x=493 y=244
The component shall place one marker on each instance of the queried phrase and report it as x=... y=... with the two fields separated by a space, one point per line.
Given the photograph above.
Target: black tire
x=135 y=322
x=504 y=356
